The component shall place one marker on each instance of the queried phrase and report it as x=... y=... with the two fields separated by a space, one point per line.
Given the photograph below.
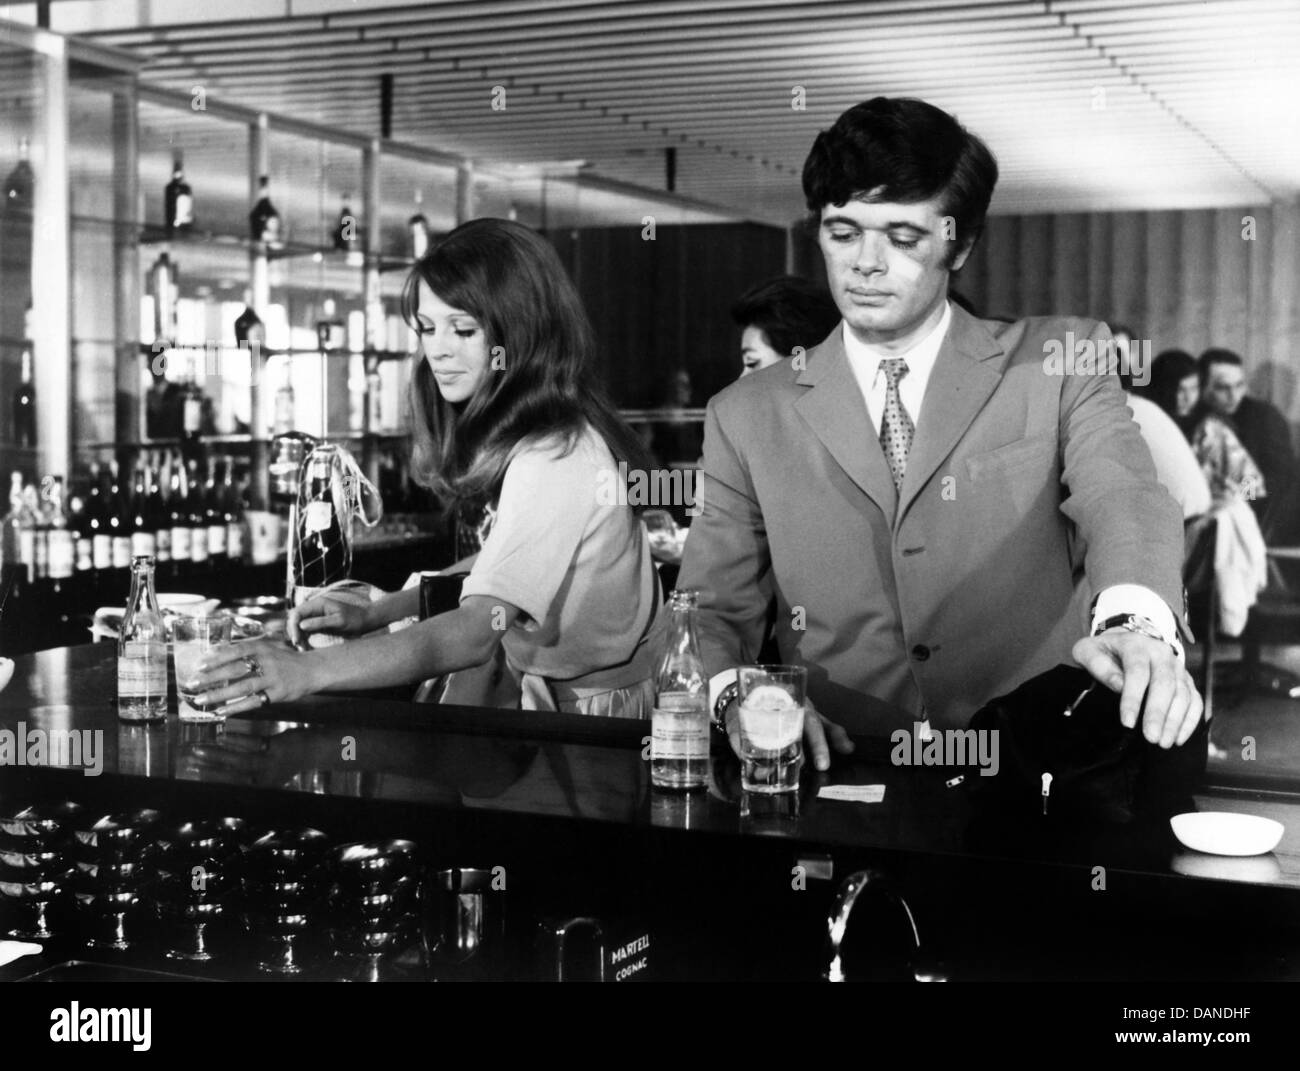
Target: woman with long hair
x=507 y=419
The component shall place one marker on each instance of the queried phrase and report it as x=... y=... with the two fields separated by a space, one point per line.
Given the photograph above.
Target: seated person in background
x=1176 y=464
x=779 y=315
x=1228 y=467
x=1262 y=430
x=504 y=410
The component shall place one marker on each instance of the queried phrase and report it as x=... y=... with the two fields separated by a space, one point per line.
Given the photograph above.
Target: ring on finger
x=254 y=666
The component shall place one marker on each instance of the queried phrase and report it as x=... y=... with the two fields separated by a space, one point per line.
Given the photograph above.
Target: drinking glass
x=193 y=638
x=772 y=700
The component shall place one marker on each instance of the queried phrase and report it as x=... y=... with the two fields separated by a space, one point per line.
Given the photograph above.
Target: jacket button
x=920 y=652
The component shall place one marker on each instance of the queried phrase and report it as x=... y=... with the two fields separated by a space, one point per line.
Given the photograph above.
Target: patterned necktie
x=896 y=427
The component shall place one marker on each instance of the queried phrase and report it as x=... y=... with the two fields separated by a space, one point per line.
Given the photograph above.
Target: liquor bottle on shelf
x=283 y=418
x=101 y=541
x=233 y=508
x=250 y=332
x=61 y=540
x=144 y=540
x=214 y=515
x=197 y=518
x=79 y=524
x=119 y=520
x=158 y=515
x=346 y=236
x=162 y=286
x=322 y=554
x=32 y=545
x=20 y=184
x=264 y=221
x=178 y=513
x=192 y=405
x=178 y=200
x=142 y=651
x=24 y=405
x=331 y=332
x=374 y=400
x=418 y=228
x=679 y=726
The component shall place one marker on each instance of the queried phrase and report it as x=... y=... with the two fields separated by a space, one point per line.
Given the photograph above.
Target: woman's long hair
x=541 y=382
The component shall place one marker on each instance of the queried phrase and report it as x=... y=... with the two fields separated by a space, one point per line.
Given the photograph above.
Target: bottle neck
x=27 y=368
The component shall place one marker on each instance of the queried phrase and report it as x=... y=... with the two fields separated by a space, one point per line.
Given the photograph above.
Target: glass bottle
x=10 y=548
x=120 y=526
x=264 y=221
x=679 y=726
x=24 y=405
x=322 y=552
x=179 y=200
x=214 y=515
x=142 y=651
x=418 y=226
x=144 y=533
x=20 y=184
x=283 y=417
x=61 y=540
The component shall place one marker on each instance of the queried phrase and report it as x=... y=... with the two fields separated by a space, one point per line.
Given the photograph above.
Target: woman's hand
x=245 y=676
x=328 y=612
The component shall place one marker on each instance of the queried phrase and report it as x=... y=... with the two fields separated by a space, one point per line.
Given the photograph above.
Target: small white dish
x=1224 y=833
x=1254 y=869
x=6 y=671
x=174 y=601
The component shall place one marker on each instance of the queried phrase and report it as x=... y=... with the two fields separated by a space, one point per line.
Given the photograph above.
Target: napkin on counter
x=12 y=950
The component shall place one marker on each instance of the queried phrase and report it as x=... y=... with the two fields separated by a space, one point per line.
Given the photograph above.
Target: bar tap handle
x=923 y=968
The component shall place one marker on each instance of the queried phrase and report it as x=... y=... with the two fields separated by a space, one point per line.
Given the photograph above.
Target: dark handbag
x=1100 y=770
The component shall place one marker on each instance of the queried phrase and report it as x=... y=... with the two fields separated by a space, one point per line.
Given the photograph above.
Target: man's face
x=1225 y=386
x=886 y=265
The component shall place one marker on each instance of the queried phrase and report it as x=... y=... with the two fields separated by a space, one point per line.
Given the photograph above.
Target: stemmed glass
x=34 y=864
x=197 y=874
x=373 y=904
x=283 y=885
x=112 y=856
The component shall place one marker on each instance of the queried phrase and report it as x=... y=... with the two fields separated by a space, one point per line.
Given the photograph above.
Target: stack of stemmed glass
x=35 y=864
x=198 y=869
x=111 y=856
x=374 y=905
x=284 y=885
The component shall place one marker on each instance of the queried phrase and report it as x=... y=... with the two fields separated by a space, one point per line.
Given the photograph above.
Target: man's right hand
x=328 y=613
x=820 y=734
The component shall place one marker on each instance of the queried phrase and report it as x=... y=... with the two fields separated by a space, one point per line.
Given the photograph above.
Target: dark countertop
x=589 y=771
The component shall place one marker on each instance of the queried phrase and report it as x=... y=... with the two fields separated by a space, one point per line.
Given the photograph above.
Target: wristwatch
x=1136 y=623
x=726 y=697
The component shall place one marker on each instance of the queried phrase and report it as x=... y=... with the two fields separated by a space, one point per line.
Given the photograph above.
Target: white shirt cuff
x=1139 y=600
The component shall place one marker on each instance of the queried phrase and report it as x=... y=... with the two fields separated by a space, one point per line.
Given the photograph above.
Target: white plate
x=1223 y=833
x=6 y=671
x=175 y=601
x=1256 y=869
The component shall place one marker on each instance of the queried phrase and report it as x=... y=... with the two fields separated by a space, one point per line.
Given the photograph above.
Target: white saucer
x=1223 y=833
x=6 y=671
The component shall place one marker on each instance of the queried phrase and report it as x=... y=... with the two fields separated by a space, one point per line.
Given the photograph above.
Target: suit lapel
x=966 y=372
x=837 y=413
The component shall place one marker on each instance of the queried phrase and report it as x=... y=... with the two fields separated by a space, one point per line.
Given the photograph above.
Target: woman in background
x=779 y=316
x=1229 y=469
x=505 y=416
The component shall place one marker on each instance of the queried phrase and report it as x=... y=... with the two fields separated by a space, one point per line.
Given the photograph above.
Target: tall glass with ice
x=193 y=639
x=772 y=700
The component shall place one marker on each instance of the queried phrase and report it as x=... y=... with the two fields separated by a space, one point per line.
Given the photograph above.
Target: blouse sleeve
x=546 y=504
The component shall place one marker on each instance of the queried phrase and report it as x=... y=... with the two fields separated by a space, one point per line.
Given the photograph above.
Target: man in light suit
x=915 y=493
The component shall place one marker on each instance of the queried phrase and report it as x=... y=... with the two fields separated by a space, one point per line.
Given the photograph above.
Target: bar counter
x=717 y=884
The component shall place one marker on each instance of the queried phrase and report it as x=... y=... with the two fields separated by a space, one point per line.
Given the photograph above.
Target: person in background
x=503 y=410
x=780 y=315
x=1176 y=465
x=1228 y=467
x=1262 y=430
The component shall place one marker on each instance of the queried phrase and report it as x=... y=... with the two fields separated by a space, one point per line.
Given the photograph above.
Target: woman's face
x=1189 y=391
x=755 y=350
x=453 y=343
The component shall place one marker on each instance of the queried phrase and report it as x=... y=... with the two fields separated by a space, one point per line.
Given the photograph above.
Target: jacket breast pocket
x=1024 y=471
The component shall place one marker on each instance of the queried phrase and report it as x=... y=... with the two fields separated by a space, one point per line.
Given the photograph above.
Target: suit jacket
x=1265 y=434
x=1025 y=494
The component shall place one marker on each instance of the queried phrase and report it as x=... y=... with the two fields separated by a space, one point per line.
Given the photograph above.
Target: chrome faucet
x=837 y=923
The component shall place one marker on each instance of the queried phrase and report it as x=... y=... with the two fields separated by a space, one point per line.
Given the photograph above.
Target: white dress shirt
x=865 y=362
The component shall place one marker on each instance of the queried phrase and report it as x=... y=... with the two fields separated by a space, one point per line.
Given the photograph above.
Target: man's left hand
x=1134 y=665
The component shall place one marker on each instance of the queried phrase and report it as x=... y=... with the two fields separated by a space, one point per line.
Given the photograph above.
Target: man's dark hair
x=790 y=312
x=903 y=150
x=1213 y=356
